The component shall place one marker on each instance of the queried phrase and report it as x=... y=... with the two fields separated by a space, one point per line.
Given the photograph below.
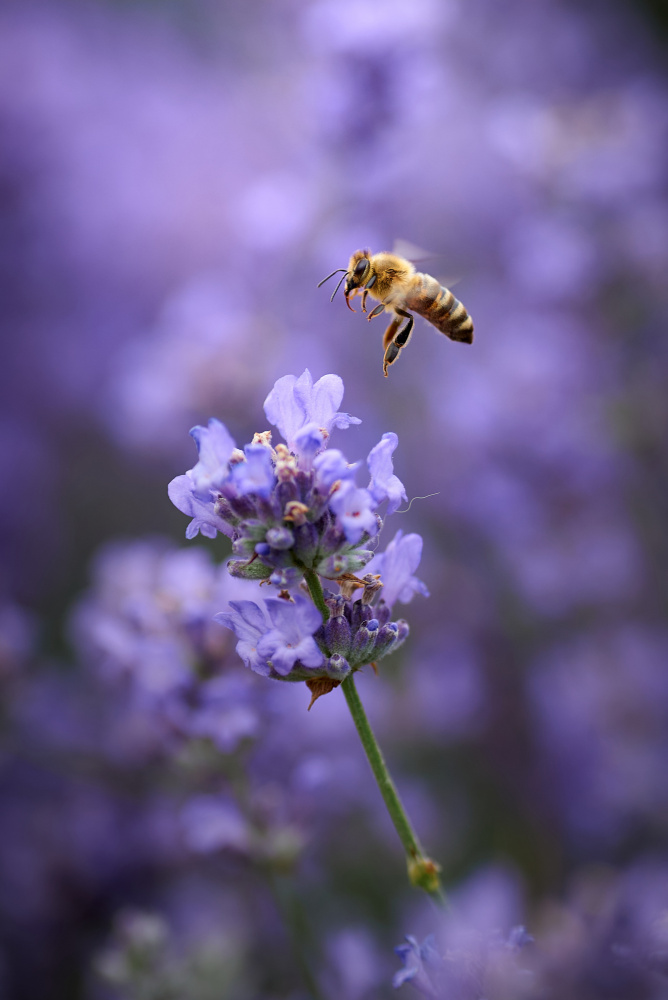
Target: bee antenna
x=339 y=284
x=331 y=276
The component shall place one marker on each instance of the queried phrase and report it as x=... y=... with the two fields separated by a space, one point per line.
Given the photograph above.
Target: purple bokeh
x=175 y=180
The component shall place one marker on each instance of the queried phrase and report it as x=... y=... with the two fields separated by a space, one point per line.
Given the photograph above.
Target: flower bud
x=242 y=506
x=335 y=603
x=223 y=509
x=385 y=640
x=332 y=539
x=363 y=643
x=382 y=612
x=285 y=576
x=248 y=570
x=243 y=546
x=253 y=528
x=337 y=667
x=360 y=613
x=337 y=635
x=372 y=587
x=336 y=565
x=286 y=492
x=306 y=543
x=280 y=538
x=319 y=636
x=403 y=632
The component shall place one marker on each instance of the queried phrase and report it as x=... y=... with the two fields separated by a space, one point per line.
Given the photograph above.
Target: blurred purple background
x=174 y=181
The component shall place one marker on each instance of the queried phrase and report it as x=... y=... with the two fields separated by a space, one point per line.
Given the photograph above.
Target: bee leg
x=388 y=336
x=364 y=300
x=398 y=341
x=376 y=311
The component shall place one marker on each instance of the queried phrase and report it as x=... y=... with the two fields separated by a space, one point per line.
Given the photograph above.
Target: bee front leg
x=364 y=300
x=395 y=342
x=376 y=311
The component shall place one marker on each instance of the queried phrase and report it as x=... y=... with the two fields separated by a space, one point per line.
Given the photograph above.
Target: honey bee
x=399 y=288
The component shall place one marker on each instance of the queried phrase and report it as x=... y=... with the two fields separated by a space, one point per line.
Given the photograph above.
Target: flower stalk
x=423 y=872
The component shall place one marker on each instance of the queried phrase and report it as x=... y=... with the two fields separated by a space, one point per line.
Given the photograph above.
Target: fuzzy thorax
x=392 y=274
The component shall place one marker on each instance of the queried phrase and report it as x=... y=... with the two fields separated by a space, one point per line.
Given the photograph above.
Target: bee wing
x=412 y=252
x=415 y=254
x=449 y=280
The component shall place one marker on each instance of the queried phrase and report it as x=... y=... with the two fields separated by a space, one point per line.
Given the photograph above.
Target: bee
x=400 y=289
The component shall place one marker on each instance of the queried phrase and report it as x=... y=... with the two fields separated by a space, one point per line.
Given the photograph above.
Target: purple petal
x=182 y=494
x=215 y=446
x=354 y=509
x=330 y=467
x=384 y=484
x=295 y=402
x=396 y=565
x=256 y=474
x=246 y=620
x=283 y=409
x=308 y=653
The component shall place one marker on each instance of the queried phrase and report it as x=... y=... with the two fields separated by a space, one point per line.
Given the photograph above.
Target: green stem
x=315 y=590
x=422 y=871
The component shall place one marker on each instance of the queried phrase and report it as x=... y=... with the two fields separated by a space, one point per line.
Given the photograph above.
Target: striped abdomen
x=439 y=307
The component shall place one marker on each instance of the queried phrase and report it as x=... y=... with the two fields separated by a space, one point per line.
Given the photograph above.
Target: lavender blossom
x=295 y=508
x=384 y=484
x=396 y=566
x=296 y=403
x=272 y=641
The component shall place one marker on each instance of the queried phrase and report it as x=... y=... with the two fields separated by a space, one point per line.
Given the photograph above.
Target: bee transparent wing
x=449 y=280
x=416 y=254
x=412 y=252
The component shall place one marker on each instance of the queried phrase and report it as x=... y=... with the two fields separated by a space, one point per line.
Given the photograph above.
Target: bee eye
x=361 y=266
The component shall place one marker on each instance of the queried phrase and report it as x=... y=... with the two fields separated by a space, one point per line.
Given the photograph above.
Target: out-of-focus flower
x=148 y=622
x=483 y=967
x=212 y=823
x=396 y=566
x=599 y=710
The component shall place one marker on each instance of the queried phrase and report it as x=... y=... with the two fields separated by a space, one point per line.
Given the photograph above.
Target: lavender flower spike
x=294 y=403
x=396 y=566
x=384 y=484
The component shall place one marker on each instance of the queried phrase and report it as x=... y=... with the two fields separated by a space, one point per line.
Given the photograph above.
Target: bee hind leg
x=388 y=336
x=394 y=342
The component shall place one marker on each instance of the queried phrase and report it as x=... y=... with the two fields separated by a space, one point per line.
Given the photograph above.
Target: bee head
x=358 y=270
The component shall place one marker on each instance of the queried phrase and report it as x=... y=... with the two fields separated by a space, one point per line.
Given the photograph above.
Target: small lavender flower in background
x=147 y=623
x=483 y=967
